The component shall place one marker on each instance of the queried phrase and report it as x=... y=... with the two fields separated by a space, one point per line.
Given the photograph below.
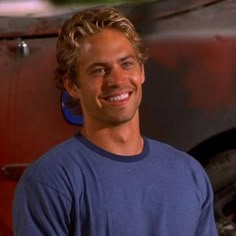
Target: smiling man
x=109 y=179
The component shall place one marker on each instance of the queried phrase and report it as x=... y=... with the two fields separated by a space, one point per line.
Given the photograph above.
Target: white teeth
x=119 y=98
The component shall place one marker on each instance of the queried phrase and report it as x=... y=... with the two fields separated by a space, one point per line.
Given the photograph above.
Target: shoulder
x=171 y=154
x=58 y=169
x=179 y=162
x=59 y=155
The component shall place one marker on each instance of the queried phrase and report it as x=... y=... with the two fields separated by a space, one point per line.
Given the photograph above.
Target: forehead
x=104 y=45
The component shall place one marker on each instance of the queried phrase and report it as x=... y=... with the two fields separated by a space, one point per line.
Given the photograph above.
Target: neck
x=124 y=139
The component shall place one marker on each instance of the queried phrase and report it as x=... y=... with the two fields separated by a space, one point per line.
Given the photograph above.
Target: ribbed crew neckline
x=112 y=156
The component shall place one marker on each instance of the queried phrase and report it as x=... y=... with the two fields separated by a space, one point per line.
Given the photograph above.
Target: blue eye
x=99 y=71
x=127 y=64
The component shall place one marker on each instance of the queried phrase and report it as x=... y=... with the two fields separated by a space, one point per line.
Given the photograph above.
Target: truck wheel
x=221 y=170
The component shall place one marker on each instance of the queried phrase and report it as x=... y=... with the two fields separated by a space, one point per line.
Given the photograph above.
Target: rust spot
x=207 y=69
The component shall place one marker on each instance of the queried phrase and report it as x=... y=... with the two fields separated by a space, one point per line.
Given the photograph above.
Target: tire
x=221 y=170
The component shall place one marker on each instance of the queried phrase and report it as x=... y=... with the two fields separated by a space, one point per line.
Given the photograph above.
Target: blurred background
x=44 y=7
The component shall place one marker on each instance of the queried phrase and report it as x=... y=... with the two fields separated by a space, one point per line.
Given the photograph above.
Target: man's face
x=110 y=79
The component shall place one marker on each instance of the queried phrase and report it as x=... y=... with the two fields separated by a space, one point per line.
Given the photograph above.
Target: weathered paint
x=30 y=115
x=189 y=93
x=207 y=67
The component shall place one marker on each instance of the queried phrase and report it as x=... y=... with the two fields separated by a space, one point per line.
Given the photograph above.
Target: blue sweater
x=81 y=190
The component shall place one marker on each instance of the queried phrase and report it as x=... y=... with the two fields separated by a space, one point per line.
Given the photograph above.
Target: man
x=109 y=179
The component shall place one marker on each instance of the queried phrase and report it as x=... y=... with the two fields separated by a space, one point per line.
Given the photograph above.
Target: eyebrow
x=104 y=64
x=126 y=57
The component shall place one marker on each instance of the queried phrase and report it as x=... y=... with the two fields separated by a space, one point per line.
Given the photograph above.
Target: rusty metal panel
x=30 y=114
x=31 y=107
x=190 y=87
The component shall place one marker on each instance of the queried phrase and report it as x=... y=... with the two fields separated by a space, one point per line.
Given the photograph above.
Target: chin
x=118 y=120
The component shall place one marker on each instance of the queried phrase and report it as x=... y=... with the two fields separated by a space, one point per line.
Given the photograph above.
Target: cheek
x=138 y=78
x=138 y=74
x=86 y=102
x=88 y=95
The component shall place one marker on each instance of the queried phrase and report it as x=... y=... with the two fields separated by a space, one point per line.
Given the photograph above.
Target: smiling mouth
x=118 y=98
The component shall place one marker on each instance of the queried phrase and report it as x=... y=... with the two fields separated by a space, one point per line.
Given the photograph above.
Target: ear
x=71 y=88
x=143 y=73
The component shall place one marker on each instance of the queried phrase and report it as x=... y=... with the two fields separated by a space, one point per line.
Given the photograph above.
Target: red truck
x=189 y=95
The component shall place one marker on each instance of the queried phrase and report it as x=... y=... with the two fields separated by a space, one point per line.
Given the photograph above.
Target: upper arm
x=39 y=209
x=206 y=224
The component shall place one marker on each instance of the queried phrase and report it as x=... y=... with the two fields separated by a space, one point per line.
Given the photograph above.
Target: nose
x=117 y=76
